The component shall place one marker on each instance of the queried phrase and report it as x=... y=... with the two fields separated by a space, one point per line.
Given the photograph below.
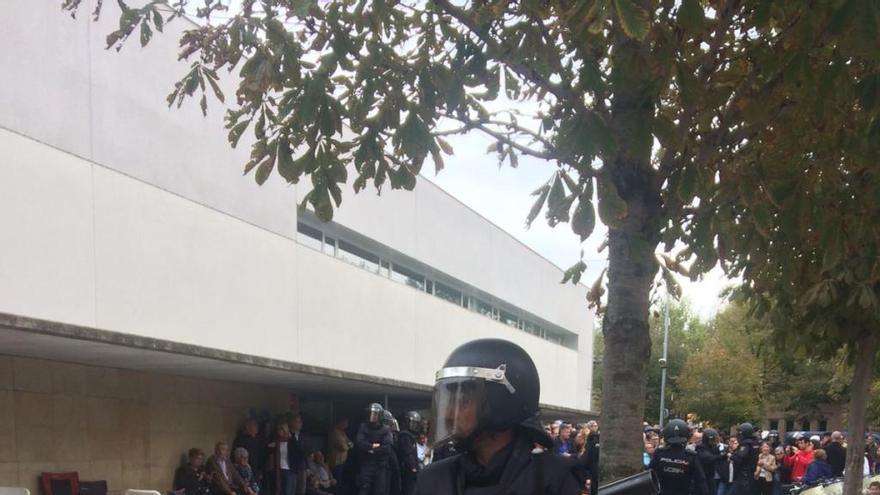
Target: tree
x=379 y=84
x=720 y=385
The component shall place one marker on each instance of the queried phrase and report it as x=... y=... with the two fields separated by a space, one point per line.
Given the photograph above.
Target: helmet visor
x=458 y=408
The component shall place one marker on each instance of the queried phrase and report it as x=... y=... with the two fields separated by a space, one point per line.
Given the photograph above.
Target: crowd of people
x=697 y=461
x=383 y=458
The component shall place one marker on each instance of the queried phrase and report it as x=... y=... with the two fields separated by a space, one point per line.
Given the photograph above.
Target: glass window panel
x=823 y=425
x=508 y=319
x=384 y=269
x=447 y=293
x=357 y=256
x=774 y=424
x=408 y=277
x=789 y=425
x=429 y=286
x=308 y=236
x=330 y=246
x=484 y=308
x=805 y=425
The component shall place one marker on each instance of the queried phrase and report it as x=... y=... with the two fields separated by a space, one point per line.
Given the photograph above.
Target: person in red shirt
x=798 y=458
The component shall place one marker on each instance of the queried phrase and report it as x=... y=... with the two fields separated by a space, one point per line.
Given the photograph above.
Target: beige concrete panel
x=104 y=415
x=48 y=272
x=33 y=409
x=35 y=443
x=69 y=378
x=133 y=384
x=72 y=444
x=70 y=412
x=8 y=474
x=6 y=375
x=103 y=382
x=32 y=375
x=29 y=474
x=136 y=475
x=7 y=427
x=110 y=470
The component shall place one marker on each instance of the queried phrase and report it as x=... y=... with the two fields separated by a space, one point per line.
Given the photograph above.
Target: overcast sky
x=503 y=196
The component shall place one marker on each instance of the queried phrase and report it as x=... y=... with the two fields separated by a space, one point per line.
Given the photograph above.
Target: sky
x=503 y=195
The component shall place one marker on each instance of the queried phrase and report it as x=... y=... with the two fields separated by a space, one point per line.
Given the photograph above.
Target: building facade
x=151 y=297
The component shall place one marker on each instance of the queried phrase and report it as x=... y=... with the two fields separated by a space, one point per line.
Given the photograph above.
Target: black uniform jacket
x=515 y=470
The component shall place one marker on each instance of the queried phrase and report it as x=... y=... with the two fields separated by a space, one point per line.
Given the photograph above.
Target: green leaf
x=633 y=19
x=690 y=15
x=556 y=196
x=541 y=193
x=286 y=165
x=584 y=219
x=612 y=208
x=146 y=33
x=264 y=170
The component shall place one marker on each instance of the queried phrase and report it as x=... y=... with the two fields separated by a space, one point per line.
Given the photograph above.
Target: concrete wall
x=110 y=108
x=126 y=427
x=98 y=248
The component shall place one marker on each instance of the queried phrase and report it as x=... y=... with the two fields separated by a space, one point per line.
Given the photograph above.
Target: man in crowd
x=709 y=456
x=836 y=454
x=297 y=453
x=338 y=445
x=799 y=457
x=225 y=479
x=563 y=444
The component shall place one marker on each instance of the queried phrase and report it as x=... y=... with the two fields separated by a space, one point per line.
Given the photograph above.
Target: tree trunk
x=866 y=350
x=632 y=265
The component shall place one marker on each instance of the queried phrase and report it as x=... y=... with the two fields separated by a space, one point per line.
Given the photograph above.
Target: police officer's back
x=745 y=461
x=679 y=471
x=486 y=401
x=709 y=456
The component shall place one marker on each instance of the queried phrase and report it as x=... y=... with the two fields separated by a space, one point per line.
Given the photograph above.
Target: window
x=308 y=236
x=408 y=277
x=823 y=425
x=448 y=293
x=805 y=424
x=789 y=425
x=358 y=257
x=385 y=269
x=508 y=319
x=774 y=424
x=329 y=246
x=429 y=286
x=484 y=308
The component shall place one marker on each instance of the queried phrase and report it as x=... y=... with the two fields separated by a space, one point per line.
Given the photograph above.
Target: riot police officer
x=407 y=451
x=709 y=455
x=393 y=471
x=745 y=461
x=486 y=402
x=373 y=443
x=677 y=469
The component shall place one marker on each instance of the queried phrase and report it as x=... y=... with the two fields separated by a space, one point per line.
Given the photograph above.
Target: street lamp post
x=663 y=361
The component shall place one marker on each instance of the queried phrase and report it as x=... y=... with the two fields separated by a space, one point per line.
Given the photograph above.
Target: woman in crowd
x=819 y=469
x=765 y=470
x=240 y=458
x=191 y=478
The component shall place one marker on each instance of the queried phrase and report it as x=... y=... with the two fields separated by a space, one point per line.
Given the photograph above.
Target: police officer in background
x=486 y=401
x=393 y=472
x=709 y=456
x=678 y=470
x=374 y=444
x=745 y=461
x=408 y=453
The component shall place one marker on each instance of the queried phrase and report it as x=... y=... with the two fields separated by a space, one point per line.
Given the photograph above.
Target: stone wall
x=127 y=427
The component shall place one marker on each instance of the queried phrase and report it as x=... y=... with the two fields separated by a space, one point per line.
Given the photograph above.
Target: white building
x=150 y=295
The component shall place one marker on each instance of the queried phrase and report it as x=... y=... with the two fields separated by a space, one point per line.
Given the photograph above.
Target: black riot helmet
x=389 y=421
x=676 y=432
x=745 y=431
x=487 y=385
x=710 y=438
x=412 y=422
x=375 y=413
